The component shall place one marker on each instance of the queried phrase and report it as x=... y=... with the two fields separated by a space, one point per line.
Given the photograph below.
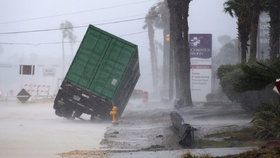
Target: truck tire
x=66 y=112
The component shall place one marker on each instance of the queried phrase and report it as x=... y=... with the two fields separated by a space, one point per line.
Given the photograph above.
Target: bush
x=249 y=85
x=266 y=121
x=225 y=69
x=229 y=78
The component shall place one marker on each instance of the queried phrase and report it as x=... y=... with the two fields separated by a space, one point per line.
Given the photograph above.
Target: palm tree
x=67 y=32
x=240 y=10
x=164 y=24
x=272 y=6
x=178 y=48
x=187 y=63
x=179 y=35
x=255 y=11
x=150 y=20
x=158 y=18
x=172 y=27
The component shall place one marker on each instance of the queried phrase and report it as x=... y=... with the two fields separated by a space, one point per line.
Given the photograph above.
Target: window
x=27 y=69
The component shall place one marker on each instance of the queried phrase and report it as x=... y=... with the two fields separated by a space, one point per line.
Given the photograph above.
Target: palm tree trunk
x=274 y=32
x=243 y=34
x=178 y=49
x=186 y=55
x=172 y=27
x=154 y=64
x=165 y=59
x=181 y=52
x=63 y=58
x=171 y=71
x=254 y=34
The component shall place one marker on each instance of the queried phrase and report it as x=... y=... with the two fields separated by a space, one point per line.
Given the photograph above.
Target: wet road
x=33 y=131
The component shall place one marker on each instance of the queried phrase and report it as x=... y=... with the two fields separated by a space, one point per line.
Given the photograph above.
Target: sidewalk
x=142 y=127
x=146 y=131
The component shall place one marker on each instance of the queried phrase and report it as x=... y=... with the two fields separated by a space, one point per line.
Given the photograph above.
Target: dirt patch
x=231 y=138
x=84 y=154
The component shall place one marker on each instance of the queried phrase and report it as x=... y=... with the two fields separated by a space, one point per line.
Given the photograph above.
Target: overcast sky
x=206 y=16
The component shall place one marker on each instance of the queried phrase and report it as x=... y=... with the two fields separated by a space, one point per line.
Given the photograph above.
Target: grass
x=189 y=155
x=260 y=153
x=243 y=134
x=240 y=138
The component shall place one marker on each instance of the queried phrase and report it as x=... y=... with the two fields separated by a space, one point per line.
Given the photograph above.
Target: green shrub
x=266 y=121
x=255 y=77
x=241 y=78
x=249 y=84
x=228 y=82
x=225 y=69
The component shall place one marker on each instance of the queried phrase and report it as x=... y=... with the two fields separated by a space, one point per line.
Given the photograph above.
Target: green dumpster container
x=104 y=72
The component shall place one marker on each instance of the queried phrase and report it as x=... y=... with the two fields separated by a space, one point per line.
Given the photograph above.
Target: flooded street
x=33 y=130
x=145 y=130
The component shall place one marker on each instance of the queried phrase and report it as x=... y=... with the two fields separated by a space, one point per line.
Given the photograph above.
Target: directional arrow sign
x=23 y=96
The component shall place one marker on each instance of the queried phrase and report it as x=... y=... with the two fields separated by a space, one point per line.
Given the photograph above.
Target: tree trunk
x=63 y=58
x=186 y=55
x=166 y=56
x=274 y=32
x=179 y=11
x=254 y=34
x=243 y=34
x=179 y=44
x=154 y=64
x=172 y=27
x=177 y=51
x=166 y=46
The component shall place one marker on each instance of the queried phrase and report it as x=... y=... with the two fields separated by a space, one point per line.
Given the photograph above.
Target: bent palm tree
x=67 y=32
x=150 y=20
x=158 y=17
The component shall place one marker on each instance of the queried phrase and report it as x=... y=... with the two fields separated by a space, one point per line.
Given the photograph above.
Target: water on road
x=33 y=131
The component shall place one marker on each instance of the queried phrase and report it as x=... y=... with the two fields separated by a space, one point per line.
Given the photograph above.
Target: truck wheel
x=103 y=117
x=58 y=113
x=93 y=117
x=67 y=112
x=77 y=114
x=96 y=117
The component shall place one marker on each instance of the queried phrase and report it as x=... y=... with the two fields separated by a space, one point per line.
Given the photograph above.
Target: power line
x=73 y=13
x=134 y=33
x=74 y=27
x=50 y=43
x=120 y=21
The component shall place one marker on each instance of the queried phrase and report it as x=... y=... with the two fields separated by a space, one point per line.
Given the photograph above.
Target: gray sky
x=20 y=15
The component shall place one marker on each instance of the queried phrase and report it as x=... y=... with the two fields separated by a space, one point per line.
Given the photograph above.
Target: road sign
x=23 y=96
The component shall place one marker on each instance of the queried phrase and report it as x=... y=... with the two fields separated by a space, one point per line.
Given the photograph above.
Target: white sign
x=49 y=72
x=201 y=61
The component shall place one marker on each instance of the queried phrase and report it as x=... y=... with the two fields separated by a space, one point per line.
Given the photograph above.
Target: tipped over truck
x=103 y=73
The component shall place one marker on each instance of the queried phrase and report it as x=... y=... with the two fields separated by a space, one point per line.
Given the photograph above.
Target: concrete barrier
x=184 y=131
